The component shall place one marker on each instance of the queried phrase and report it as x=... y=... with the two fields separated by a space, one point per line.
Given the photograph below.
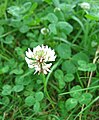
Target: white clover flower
x=39 y=58
x=85 y=6
x=44 y=31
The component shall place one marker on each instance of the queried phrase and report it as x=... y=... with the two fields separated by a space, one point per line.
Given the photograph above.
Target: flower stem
x=45 y=81
x=46 y=92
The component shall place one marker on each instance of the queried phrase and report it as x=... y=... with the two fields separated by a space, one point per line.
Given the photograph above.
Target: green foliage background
x=74 y=79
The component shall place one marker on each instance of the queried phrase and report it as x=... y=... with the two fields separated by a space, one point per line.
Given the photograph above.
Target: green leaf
x=25 y=42
x=1 y=30
x=39 y=82
x=56 y=2
x=59 y=14
x=82 y=63
x=74 y=93
x=5 y=101
x=24 y=29
x=1 y=117
x=19 y=80
x=12 y=63
x=59 y=76
x=7 y=89
x=18 y=11
x=19 y=51
x=30 y=35
x=30 y=87
x=4 y=69
x=14 y=10
x=65 y=27
x=68 y=77
x=52 y=28
x=25 y=7
x=64 y=51
x=61 y=83
x=17 y=71
x=30 y=101
x=16 y=23
x=39 y=96
x=62 y=109
x=33 y=44
x=26 y=76
x=26 y=80
x=83 y=66
x=9 y=39
x=30 y=12
x=34 y=6
x=69 y=66
x=70 y=104
x=91 y=67
x=51 y=17
x=85 y=98
x=36 y=107
x=18 y=88
x=28 y=93
x=80 y=56
x=92 y=17
x=48 y=1
x=67 y=8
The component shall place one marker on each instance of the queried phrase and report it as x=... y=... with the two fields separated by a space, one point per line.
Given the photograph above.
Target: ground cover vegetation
x=49 y=60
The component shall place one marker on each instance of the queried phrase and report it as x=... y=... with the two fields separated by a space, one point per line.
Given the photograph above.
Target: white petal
x=29 y=53
x=30 y=66
x=28 y=60
x=45 y=72
x=37 y=69
x=46 y=67
x=49 y=65
x=44 y=31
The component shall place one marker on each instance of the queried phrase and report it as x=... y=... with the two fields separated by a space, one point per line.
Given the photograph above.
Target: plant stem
x=45 y=81
x=81 y=83
x=88 y=88
x=46 y=92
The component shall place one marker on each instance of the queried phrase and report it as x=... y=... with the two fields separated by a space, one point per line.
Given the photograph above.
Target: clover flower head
x=40 y=58
x=44 y=31
x=85 y=6
x=57 y=9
